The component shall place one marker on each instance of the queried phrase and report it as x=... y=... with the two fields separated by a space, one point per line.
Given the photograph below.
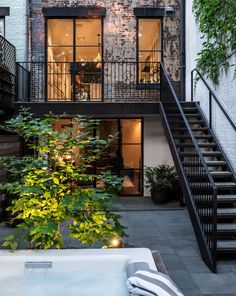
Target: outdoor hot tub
x=79 y=272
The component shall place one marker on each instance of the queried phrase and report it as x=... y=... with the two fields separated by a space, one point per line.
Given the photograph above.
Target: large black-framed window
x=124 y=156
x=149 y=50
x=74 y=58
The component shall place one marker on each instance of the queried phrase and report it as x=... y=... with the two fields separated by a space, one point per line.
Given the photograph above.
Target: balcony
x=88 y=81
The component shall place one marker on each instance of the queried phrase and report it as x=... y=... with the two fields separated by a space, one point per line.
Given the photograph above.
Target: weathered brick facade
x=119 y=29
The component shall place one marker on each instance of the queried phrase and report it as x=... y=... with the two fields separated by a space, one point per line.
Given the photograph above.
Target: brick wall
x=119 y=29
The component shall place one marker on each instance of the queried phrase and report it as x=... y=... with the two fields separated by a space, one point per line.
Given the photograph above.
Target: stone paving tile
x=215 y=284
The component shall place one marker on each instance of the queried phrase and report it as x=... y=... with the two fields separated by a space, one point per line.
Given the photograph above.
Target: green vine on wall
x=217 y=22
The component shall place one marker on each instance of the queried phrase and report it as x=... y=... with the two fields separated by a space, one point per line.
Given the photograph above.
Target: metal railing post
x=210 y=110
x=192 y=86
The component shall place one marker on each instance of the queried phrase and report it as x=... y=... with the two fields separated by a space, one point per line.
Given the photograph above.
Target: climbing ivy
x=217 y=22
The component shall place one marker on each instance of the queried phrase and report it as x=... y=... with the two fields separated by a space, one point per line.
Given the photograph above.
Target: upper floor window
x=149 y=50
x=74 y=56
x=2 y=26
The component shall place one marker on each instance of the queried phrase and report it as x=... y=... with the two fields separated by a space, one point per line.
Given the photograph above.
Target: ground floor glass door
x=124 y=156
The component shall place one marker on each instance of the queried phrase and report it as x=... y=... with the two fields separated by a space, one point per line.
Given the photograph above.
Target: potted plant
x=160 y=181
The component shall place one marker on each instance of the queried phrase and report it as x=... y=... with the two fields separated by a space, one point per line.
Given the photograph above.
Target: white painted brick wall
x=16 y=26
x=226 y=90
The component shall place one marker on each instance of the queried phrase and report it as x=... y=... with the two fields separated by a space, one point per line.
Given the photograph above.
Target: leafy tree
x=53 y=188
x=217 y=22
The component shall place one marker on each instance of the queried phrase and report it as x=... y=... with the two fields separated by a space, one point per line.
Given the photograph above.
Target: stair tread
x=226 y=211
x=226 y=197
x=226 y=244
x=226 y=227
x=206 y=153
x=221 y=173
x=196 y=136
x=200 y=144
x=208 y=162
x=225 y=184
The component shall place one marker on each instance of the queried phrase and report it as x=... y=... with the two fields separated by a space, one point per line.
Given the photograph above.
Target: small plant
x=160 y=181
x=160 y=178
x=53 y=188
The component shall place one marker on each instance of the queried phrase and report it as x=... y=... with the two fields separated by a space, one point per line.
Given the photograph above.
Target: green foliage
x=217 y=22
x=160 y=178
x=53 y=188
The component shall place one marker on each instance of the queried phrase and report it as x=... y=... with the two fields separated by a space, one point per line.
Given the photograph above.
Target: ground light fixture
x=116 y=242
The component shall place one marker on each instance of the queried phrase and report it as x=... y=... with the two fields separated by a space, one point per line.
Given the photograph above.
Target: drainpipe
x=182 y=51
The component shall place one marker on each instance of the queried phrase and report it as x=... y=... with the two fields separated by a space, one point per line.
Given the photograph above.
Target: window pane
x=149 y=35
x=131 y=131
x=132 y=184
x=60 y=54
x=88 y=32
x=132 y=156
x=91 y=54
x=60 y=32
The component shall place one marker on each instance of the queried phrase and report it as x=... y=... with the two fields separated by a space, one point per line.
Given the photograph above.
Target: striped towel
x=152 y=283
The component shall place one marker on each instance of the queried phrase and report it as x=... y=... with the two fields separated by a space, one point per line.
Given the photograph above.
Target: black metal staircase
x=207 y=178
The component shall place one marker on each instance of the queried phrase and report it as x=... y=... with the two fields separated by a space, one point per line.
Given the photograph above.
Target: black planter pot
x=160 y=197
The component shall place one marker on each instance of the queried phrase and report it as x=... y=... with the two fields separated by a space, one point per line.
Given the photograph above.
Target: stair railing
x=198 y=186
x=216 y=115
x=212 y=95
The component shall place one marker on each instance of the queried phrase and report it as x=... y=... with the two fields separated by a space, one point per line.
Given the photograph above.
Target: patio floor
x=167 y=228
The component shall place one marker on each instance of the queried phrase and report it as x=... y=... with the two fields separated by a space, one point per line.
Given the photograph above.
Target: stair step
x=226 y=198
x=226 y=227
x=216 y=162
x=221 y=174
x=199 y=144
x=209 y=163
x=219 y=185
x=225 y=185
x=194 y=129
x=226 y=213
x=189 y=121
x=196 y=136
x=215 y=175
x=211 y=153
x=226 y=246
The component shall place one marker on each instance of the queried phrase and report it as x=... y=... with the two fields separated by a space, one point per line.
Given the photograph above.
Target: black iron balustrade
x=88 y=81
x=197 y=183
x=7 y=72
x=216 y=115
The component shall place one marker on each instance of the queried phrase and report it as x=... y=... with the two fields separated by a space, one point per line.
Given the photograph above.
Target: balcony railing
x=88 y=81
x=7 y=72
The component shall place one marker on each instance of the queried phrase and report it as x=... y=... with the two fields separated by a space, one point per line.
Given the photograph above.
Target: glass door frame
x=119 y=150
x=73 y=99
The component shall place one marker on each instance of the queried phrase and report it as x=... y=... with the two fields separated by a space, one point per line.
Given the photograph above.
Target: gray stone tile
x=210 y=283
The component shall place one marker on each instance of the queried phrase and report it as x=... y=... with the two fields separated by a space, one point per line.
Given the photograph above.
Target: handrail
x=211 y=94
x=192 y=188
x=189 y=128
